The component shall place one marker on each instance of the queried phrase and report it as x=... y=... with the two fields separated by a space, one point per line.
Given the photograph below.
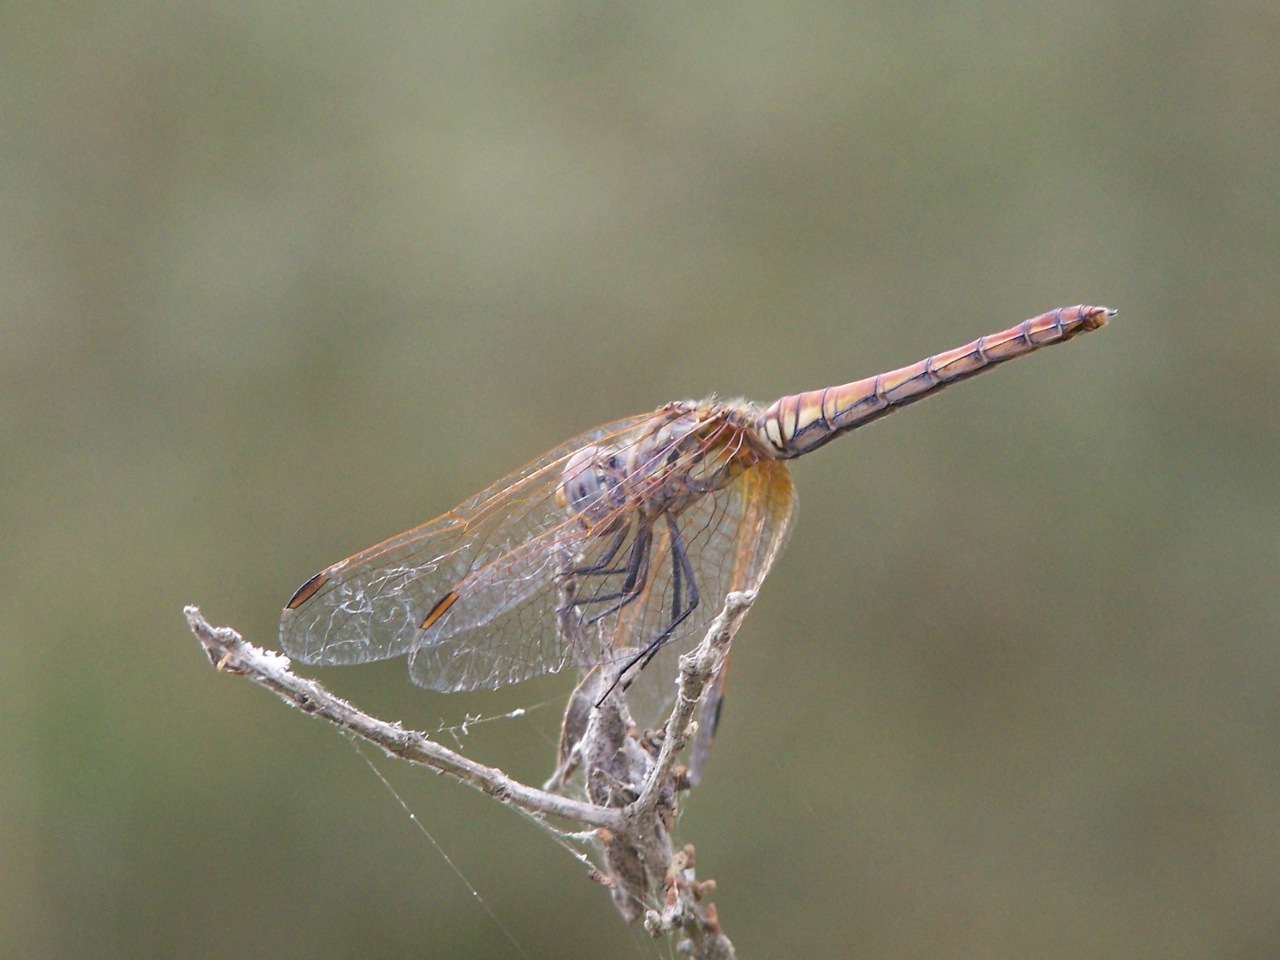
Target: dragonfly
x=618 y=547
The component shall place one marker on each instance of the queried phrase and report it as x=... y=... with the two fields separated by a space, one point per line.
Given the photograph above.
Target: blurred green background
x=281 y=280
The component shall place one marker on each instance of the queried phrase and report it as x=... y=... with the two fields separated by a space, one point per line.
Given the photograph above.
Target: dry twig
x=632 y=782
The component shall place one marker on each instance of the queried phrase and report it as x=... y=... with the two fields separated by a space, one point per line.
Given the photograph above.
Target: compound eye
x=582 y=489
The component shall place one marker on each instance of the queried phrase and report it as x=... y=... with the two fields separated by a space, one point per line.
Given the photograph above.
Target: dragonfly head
x=583 y=491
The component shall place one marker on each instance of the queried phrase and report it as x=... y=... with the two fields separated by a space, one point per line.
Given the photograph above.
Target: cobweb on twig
x=630 y=782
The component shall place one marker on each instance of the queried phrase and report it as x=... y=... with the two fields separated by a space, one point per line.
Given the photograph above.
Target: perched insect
x=615 y=547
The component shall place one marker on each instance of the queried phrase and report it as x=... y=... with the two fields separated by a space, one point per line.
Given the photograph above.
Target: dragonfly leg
x=679 y=562
x=601 y=567
x=572 y=623
x=636 y=570
x=633 y=586
x=681 y=571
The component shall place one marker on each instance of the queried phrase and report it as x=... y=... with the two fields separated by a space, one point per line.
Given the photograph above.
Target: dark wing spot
x=307 y=591
x=442 y=606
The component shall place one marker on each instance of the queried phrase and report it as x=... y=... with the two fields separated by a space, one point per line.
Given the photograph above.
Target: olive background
x=280 y=280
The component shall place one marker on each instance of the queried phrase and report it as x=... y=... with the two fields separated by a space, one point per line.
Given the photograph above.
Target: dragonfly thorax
x=699 y=449
x=688 y=451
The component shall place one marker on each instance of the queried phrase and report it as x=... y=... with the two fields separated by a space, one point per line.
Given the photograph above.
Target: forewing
x=371 y=606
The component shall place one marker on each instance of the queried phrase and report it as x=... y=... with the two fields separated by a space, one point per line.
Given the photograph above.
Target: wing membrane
x=371 y=605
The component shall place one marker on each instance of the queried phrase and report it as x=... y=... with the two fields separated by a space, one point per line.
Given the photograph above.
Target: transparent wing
x=371 y=606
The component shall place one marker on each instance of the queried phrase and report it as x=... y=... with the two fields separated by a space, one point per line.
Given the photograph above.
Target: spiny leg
x=681 y=567
x=636 y=569
x=679 y=562
x=637 y=577
x=571 y=621
x=601 y=567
